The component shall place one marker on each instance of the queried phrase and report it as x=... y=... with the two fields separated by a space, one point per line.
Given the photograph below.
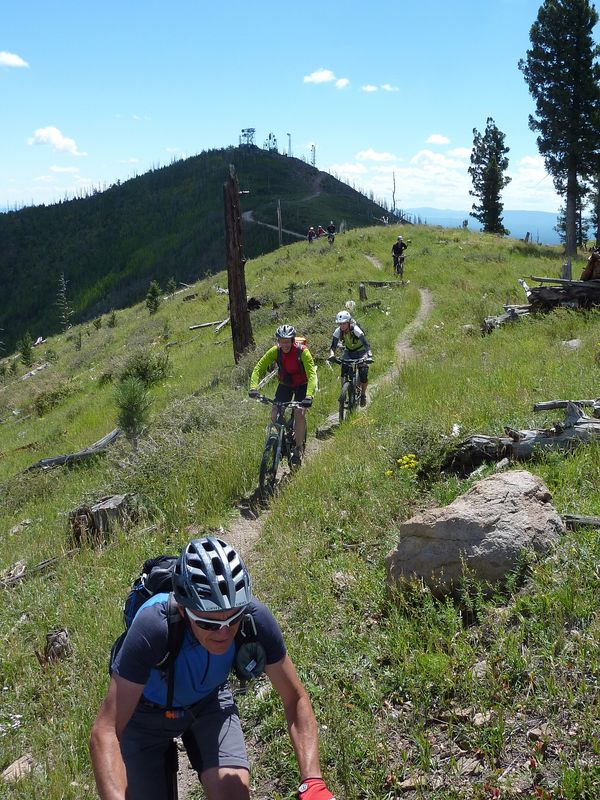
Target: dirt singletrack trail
x=243 y=533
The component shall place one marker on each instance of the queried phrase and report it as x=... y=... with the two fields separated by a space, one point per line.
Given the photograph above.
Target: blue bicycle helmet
x=210 y=576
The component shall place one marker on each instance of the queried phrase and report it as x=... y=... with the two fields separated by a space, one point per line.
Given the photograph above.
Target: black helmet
x=285 y=332
x=210 y=576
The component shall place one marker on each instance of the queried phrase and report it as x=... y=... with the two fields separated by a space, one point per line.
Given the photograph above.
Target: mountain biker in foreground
x=398 y=249
x=134 y=731
x=297 y=379
x=349 y=336
x=330 y=232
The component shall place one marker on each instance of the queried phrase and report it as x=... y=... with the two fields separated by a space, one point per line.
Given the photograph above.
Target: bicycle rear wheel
x=268 y=467
x=344 y=396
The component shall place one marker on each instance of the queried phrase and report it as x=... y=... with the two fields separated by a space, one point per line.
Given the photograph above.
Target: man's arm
x=260 y=370
x=301 y=722
x=116 y=709
x=311 y=373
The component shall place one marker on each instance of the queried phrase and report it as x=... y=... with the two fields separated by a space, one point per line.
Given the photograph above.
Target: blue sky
x=92 y=92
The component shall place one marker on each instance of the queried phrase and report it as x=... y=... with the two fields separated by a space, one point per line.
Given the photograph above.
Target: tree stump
x=94 y=524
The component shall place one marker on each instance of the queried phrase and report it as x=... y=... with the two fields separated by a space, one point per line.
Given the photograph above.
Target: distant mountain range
x=540 y=224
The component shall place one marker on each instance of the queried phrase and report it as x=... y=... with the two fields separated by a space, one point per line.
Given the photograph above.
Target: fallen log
x=221 y=325
x=550 y=405
x=574 y=521
x=80 y=455
x=520 y=445
x=204 y=325
x=380 y=283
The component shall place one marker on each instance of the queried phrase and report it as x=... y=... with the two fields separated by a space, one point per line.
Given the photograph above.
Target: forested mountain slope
x=165 y=223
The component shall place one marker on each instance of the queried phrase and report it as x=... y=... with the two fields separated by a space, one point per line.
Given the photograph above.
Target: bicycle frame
x=280 y=442
x=350 y=394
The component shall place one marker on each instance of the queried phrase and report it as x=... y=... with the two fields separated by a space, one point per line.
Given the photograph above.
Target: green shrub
x=146 y=366
x=50 y=398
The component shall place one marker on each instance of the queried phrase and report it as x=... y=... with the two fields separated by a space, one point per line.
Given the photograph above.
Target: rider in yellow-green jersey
x=297 y=377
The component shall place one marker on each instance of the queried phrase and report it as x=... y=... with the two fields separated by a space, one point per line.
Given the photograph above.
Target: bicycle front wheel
x=343 y=399
x=268 y=467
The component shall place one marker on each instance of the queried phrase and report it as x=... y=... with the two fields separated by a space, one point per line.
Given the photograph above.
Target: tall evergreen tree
x=563 y=75
x=488 y=165
x=25 y=346
x=153 y=297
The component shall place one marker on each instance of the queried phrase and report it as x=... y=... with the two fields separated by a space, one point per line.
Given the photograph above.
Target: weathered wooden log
x=574 y=521
x=521 y=445
x=512 y=314
x=80 y=455
x=374 y=304
x=204 y=325
x=190 y=296
x=380 y=283
x=221 y=325
x=550 y=405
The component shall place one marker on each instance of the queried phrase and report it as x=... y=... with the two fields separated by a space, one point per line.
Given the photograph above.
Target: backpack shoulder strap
x=176 y=632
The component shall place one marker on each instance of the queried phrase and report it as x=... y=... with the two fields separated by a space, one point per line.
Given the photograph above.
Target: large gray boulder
x=486 y=529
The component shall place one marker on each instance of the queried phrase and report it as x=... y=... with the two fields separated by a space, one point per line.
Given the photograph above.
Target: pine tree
x=62 y=301
x=171 y=286
x=488 y=165
x=582 y=224
x=153 y=297
x=563 y=75
x=25 y=346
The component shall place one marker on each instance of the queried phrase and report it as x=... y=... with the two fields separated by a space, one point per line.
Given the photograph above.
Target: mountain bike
x=280 y=443
x=331 y=238
x=350 y=395
x=399 y=265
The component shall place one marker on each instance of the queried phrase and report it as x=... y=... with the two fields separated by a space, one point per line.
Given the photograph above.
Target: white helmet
x=343 y=316
x=399 y=238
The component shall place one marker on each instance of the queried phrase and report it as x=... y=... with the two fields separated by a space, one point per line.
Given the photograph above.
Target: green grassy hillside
x=163 y=224
x=415 y=698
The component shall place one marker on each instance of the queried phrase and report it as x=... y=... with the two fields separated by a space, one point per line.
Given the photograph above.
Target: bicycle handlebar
x=363 y=360
x=291 y=404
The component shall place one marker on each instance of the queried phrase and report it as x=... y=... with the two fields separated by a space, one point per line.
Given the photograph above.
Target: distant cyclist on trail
x=330 y=232
x=320 y=231
x=311 y=234
x=398 y=249
x=297 y=379
x=349 y=336
x=134 y=730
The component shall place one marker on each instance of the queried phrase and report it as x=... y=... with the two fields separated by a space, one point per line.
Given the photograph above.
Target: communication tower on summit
x=313 y=155
x=270 y=142
x=247 y=137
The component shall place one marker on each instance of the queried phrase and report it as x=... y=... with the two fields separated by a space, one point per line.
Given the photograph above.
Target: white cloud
x=11 y=60
x=387 y=87
x=44 y=179
x=320 y=76
x=56 y=140
x=373 y=155
x=437 y=138
x=342 y=83
x=369 y=88
x=64 y=169
x=460 y=152
x=531 y=188
x=348 y=170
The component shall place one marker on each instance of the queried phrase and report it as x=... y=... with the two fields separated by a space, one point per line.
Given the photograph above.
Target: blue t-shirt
x=197 y=672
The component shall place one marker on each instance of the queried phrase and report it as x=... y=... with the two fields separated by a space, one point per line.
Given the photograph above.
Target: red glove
x=314 y=789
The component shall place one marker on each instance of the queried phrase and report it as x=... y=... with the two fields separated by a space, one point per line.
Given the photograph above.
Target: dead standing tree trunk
x=241 y=327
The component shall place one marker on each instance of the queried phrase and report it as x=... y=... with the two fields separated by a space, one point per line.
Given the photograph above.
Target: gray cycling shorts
x=210 y=731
